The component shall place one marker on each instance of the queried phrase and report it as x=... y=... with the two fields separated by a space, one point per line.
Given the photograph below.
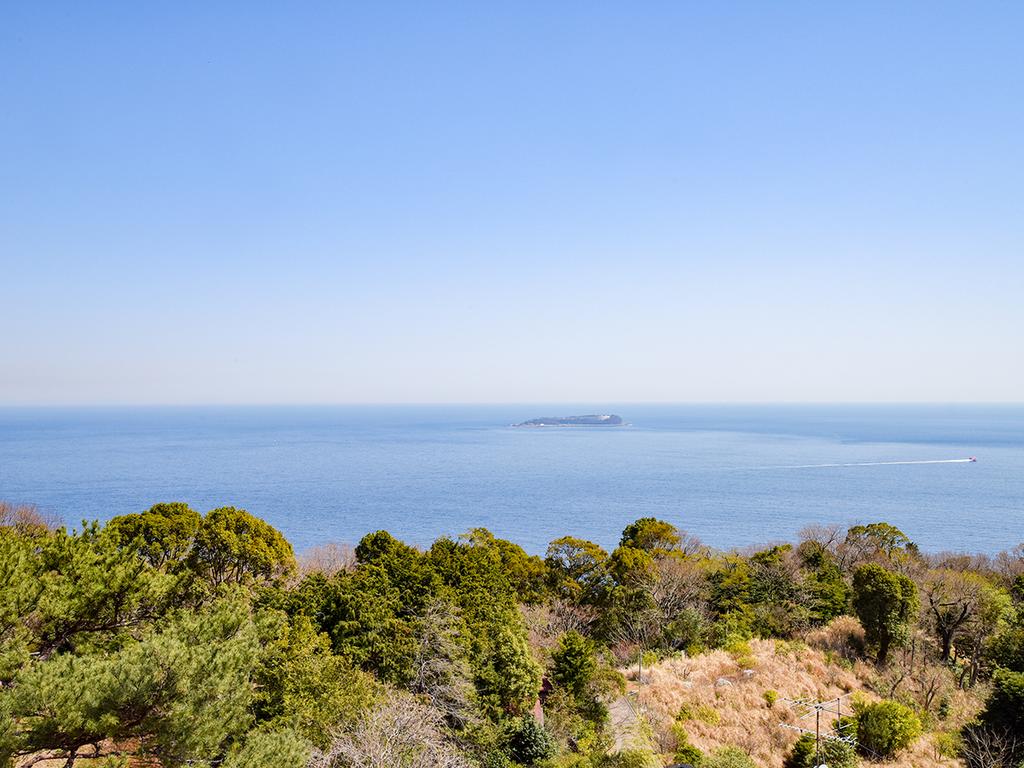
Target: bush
x=702 y=712
x=834 y=754
x=885 y=728
x=728 y=757
x=631 y=758
x=685 y=751
x=574 y=663
x=527 y=742
x=770 y=697
x=1005 y=706
x=948 y=744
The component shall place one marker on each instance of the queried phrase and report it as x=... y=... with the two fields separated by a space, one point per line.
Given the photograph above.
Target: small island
x=589 y=420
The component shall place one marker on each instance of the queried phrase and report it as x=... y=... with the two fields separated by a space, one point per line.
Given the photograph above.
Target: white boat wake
x=877 y=463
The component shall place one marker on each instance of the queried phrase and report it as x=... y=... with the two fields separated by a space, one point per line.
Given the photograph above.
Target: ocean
x=733 y=475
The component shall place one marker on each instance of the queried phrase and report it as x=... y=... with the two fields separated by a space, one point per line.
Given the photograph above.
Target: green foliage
x=878 y=541
x=656 y=537
x=233 y=547
x=886 y=603
x=828 y=590
x=630 y=758
x=770 y=697
x=20 y=588
x=182 y=639
x=163 y=534
x=89 y=588
x=526 y=741
x=269 y=749
x=578 y=570
x=703 y=712
x=688 y=754
x=834 y=754
x=948 y=744
x=1004 y=709
x=526 y=574
x=574 y=663
x=510 y=678
x=1006 y=648
x=183 y=688
x=885 y=728
x=301 y=685
x=728 y=757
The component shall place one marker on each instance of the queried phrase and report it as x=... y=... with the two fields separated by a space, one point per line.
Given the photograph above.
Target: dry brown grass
x=326 y=559
x=716 y=680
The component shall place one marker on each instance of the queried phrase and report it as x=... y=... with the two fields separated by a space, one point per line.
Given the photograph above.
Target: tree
x=300 y=685
x=952 y=598
x=1004 y=709
x=779 y=597
x=578 y=570
x=828 y=590
x=526 y=573
x=983 y=747
x=1006 y=648
x=400 y=732
x=509 y=678
x=441 y=668
x=20 y=587
x=880 y=543
x=833 y=753
x=885 y=728
x=656 y=537
x=574 y=664
x=163 y=534
x=728 y=757
x=885 y=603
x=89 y=586
x=367 y=620
x=181 y=693
x=526 y=741
x=280 y=749
x=233 y=547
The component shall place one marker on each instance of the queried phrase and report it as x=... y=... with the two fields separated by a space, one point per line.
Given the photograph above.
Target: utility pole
x=807 y=707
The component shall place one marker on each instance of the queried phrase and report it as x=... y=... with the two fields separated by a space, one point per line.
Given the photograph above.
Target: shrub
x=631 y=758
x=685 y=751
x=728 y=757
x=770 y=697
x=702 y=712
x=948 y=744
x=885 y=728
x=1005 y=706
x=574 y=663
x=527 y=742
x=834 y=754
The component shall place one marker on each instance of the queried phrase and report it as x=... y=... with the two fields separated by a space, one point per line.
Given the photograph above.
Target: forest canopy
x=177 y=638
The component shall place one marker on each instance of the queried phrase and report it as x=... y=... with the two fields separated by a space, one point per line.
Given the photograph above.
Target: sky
x=323 y=202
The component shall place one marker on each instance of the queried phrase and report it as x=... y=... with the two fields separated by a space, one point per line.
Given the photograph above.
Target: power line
x=807 y=708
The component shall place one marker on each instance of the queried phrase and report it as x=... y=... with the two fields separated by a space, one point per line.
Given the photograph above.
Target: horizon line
x=482 y=403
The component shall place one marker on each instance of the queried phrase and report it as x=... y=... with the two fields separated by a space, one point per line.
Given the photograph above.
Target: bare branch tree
x=328 y=559
x=441 y=671
x=989 y=748
x=401 y=732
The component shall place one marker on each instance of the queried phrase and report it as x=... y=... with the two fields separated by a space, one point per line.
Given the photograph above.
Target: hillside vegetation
x=170 y=638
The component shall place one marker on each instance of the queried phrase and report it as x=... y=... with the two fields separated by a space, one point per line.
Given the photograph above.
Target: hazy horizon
x=570 y=404
x=456 y=204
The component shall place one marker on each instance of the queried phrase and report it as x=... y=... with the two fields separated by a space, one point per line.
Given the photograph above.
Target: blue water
x=733 y=475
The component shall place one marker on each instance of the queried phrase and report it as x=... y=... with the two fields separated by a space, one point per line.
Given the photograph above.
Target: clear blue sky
x=583 y=201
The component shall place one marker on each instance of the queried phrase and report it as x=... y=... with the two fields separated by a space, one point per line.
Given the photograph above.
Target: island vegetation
x=588 y=420
x=171 y=638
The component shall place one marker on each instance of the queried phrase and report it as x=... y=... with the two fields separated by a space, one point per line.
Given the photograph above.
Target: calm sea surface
x=733 y=475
